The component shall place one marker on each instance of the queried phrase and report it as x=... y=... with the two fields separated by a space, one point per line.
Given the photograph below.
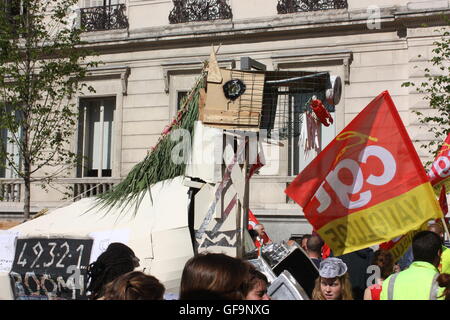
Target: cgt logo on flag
x=368 y=185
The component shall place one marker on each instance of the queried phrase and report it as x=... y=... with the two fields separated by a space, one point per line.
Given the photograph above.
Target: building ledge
x=304 y=24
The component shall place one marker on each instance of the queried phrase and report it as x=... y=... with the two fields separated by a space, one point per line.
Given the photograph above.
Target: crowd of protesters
x=364 y=274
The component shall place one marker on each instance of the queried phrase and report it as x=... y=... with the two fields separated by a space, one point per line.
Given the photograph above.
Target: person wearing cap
x=418 y=282
x=333 y=282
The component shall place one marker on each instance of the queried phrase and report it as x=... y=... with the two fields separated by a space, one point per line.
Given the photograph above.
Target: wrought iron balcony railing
x=199 y=10
x=109 y=17
x=291 y=6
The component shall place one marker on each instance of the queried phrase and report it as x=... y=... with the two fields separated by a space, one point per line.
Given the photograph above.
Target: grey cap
x=332 y=268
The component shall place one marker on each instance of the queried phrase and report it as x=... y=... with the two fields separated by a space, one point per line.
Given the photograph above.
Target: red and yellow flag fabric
x=398 y=246
x=368 y=185
x=439 y=173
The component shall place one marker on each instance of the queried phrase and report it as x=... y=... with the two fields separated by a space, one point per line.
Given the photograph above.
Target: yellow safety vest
x=445 y=260
x=418 y=282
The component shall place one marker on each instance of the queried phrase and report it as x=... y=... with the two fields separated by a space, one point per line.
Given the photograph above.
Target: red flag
x=368 y=185
x=438 y=174
x=443 y=201
x=252 y=222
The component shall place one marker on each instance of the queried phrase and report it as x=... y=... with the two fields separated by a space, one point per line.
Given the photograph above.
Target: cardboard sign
x=102 y=239
x=244 y=113
x=50 y=269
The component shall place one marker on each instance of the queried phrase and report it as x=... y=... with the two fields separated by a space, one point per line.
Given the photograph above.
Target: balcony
x=12 y=192
x=100 y=18
x=291 y=6
x=199 y=10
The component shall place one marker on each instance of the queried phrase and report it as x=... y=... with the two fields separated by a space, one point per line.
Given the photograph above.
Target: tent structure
x=158 y=223
x=157 y=210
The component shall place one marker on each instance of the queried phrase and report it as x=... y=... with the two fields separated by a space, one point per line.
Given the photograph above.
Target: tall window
x=10 y=148
x=180 y=97
x=13 y=9
x=299 y=158
x=95 y=139
x=6 y=171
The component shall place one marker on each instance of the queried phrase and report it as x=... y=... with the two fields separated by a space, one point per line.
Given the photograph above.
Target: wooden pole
x=445 y=227
x=243 y=206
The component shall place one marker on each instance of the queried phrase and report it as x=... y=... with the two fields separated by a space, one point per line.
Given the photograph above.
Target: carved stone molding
x=170 y=68
x=345 y=57
x=120 y=72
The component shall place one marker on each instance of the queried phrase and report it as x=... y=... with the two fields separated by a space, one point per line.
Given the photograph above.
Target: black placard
x=51 y=269
x=301 y=268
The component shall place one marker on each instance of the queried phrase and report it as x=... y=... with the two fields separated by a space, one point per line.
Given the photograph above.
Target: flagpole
x=445 y=227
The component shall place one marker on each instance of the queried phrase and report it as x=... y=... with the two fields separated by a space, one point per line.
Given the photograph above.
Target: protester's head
x=438 y=229
x=118 y=259
x=221 y=275
x=304 y=241
x=134 y=285
x=260 y=229
x=256 y=286
x=426 y=246
x=314 y=246
x=444 y=281
x=333 y=282
x=385 y=261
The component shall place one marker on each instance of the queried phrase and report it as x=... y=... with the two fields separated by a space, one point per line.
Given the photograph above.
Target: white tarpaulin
x=7 y=247
x=206 y=156
x=158 y=233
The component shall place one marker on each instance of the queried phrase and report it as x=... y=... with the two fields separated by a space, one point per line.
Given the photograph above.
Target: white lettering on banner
x=442 y=171
x=386 y=158
x=345 y=191
x=323 y=197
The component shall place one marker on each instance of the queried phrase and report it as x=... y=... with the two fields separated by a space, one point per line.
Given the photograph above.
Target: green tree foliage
x=42 y=63
x=437 y=92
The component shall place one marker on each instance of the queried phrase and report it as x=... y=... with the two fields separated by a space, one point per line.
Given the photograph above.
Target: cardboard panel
x=242 y=113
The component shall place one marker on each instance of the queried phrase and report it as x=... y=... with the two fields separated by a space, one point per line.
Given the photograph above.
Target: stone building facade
x=153 y=52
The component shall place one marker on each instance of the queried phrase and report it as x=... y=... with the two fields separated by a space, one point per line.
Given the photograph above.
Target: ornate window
x=199 y=10
x=290 y=6
x=108 y=15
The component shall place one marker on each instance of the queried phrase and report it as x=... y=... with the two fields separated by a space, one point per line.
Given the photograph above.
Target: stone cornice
x=345 y=57
x=298 y=25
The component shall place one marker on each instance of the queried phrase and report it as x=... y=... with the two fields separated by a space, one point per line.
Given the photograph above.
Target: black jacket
x=357 y=263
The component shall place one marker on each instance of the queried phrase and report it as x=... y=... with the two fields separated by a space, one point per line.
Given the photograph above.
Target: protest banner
x=368 y=185
x=50 y=268
x=439 y=173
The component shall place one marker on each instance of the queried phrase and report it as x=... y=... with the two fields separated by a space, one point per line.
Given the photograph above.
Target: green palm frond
x=157 y=165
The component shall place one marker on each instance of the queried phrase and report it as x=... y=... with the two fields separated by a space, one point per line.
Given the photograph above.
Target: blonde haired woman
x=333 y=282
